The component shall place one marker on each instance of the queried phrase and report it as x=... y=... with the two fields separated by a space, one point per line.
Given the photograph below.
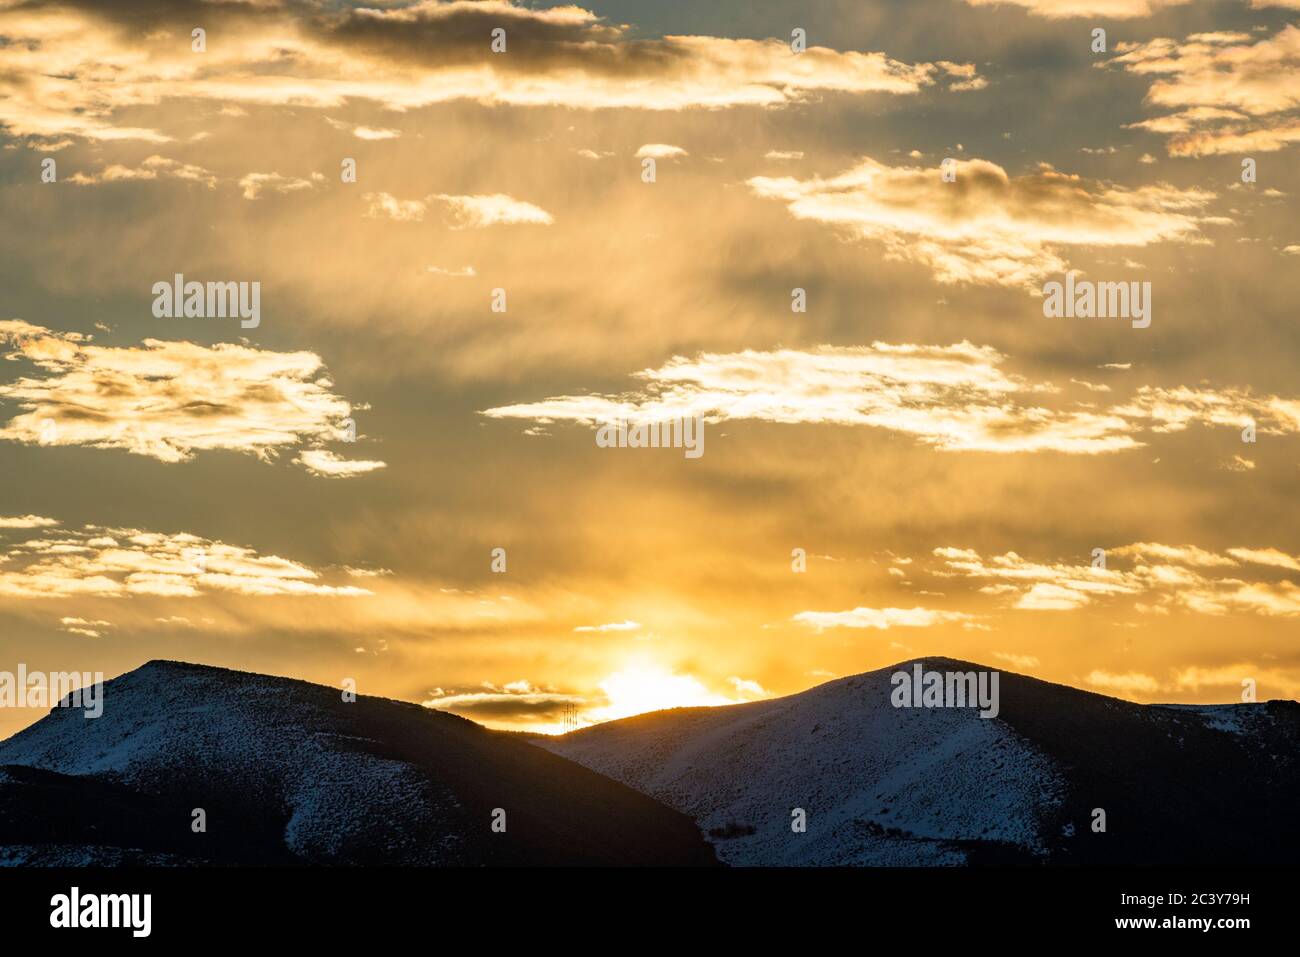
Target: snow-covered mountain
x=287 y=772
x=936 y=786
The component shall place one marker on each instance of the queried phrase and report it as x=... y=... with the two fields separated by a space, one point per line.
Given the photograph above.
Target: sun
x=642 y=686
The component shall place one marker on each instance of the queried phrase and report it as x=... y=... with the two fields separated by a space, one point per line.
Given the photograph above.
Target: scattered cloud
x=1131 y=682
x=386 y=205
x=1231 y=93
x=331 y=465
x=1067 y=9
x=404 y=57
x=87 y=627
x=1173 y=410
x=988 y=227
x=955 y=398
x=881 y=619
x=627 y=625
x=152 y=168
x=748 y=688
x=100 y=562
x=660 y=151
x=255 y=184
x=515 y=699
x=1196 y=579
x=497 y=209
x=371 y=133
x=163 y=399
x=464 y=212
x=1017 y=661
x=26 y=521
x=952 y=397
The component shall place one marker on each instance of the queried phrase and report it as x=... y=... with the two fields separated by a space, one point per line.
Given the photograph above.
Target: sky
x=828 y=231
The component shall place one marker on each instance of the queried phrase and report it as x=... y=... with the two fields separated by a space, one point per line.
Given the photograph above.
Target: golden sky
x=919 y=463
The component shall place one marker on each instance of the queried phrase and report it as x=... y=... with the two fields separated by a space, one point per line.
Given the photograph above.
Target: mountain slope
x=886 y=785
x=287 y=772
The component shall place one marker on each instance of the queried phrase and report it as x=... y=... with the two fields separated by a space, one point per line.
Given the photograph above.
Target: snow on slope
x=289 y=773
x=1239 y=719
x=167 y=724
x=857 y=765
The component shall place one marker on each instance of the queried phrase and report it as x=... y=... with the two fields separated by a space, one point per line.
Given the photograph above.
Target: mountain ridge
x=287 y=772
x=888 y=785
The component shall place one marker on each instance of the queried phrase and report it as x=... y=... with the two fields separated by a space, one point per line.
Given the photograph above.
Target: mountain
x=288 y=773
x=882 y=785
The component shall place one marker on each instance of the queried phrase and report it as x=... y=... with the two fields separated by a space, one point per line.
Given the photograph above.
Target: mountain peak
x=286 y=771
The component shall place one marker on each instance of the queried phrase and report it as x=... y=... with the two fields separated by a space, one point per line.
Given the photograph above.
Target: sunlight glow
x=642 y=686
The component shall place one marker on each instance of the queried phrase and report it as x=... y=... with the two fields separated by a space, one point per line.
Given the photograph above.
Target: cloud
x=1132 y=682
x=965 y=74
x=364 y=132
x=367 y=572
x=1091 y=386
x=627 y=625
x=879 y=618
x=101 y=562
x=401 y=210
x=26 y=521
x=1065 y=9
x=464 y=272
x=987 y=227
x=1018 y=661
x=1195 y=678
x=152 y=168
x=475 y=212
x=1178 y=554
x=90 y=628
x=254 y=184
x=72 y=69
x=955 y=398
x=1037 y=586
x=1173 y=410
x=372 y=133
x=748 y=688
x=517 y=699
x=1230 y=92
x=1045 y=596
x=325 y=463
x=1201 y=581
x=660 y=151
x=180 y=621
x=464 y=212
x=166 y=400
x=1266 y=556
